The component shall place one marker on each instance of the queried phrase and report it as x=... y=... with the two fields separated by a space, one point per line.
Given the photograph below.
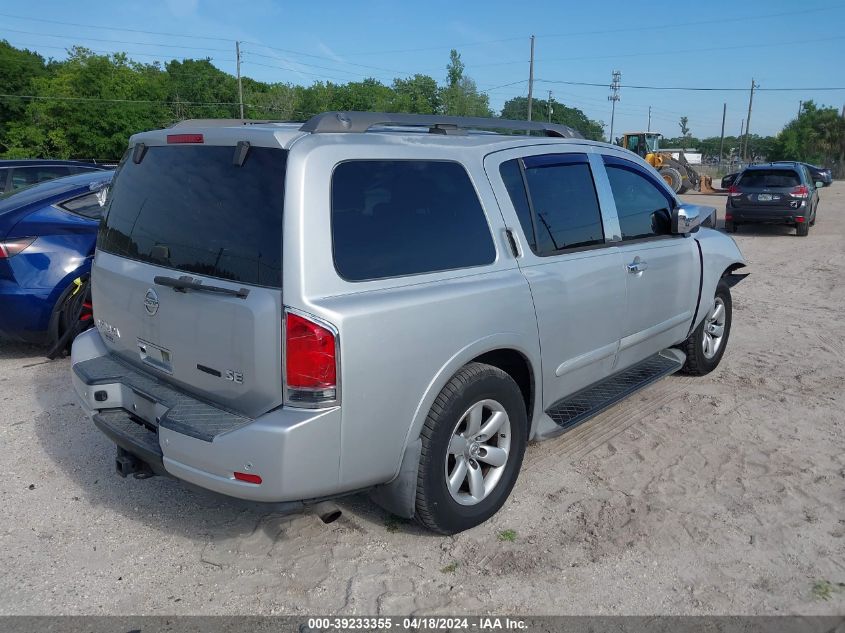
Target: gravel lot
x=721 y=494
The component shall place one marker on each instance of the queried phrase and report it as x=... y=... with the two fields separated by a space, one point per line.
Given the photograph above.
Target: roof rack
x=340 y=122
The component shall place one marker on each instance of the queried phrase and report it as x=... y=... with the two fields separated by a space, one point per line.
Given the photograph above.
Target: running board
x=584 y=404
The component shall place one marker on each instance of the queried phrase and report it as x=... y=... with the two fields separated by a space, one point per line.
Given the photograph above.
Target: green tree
x=417 y=94
x=461 y=97
x=517 y=108
x=18 y=68
x=684 y=132
x=817 y=136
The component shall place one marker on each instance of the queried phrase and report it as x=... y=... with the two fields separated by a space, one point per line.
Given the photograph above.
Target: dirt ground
x=713 y=495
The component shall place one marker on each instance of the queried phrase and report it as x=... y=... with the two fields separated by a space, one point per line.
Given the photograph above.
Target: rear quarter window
x=392 y=218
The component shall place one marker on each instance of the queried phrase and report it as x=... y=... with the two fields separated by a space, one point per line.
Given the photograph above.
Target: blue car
x=47 y=237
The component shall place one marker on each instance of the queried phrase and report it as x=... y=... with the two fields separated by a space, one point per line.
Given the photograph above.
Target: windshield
x=651 y=141
x=192 y=208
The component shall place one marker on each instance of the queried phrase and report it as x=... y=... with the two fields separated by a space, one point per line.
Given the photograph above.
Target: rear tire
x=802 y=230
x=460 y=483
x=706 y=345
x=672 y=177
x=730 y=226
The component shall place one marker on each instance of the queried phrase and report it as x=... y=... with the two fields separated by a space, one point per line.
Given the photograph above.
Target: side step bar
x=590 y=401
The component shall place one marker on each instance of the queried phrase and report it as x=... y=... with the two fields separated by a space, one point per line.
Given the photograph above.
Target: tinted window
x=191 y=208
x=89 y=206
x=564 y=200
x=26 y=176
x=642 y=207
x=393 y=218
x=767 y=178
x=512 y=177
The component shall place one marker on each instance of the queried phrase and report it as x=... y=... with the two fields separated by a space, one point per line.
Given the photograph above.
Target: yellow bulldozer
x=677 y=172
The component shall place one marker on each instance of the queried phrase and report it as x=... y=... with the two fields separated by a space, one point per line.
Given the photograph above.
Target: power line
x=100 y=39
x=688 y=88
x=95 y=50
x=99 y=99
x=115 y=28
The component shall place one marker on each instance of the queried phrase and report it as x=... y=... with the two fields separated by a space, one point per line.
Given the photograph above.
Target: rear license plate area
x=764 y=197
x=155 y=356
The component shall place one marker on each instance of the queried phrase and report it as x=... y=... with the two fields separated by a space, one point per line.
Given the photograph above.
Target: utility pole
x=240 y=87
x=800 y=105
x=748 y=119
x=550 y=106
x=649 y=119
x=531 y=79
x=616 y=77
x=722 y=140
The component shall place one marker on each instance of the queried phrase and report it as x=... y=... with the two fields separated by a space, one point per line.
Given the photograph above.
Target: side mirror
x=686 y=218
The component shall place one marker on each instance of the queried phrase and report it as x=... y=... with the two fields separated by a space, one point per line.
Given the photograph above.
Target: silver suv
x=386 y=302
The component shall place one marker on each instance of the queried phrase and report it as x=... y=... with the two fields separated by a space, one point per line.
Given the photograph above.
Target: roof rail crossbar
x=339 y=122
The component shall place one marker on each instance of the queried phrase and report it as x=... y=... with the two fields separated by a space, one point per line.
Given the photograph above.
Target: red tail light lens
x=248 y=478
x=310 y=362
x=184 y=138
x=734 y=191
x=799 y=219
x=800 y=191
x=10 y=248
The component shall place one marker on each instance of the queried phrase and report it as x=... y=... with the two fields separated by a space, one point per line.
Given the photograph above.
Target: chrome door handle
x=637 y=266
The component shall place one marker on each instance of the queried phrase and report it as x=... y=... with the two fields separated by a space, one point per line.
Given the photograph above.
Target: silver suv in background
x=392 y=302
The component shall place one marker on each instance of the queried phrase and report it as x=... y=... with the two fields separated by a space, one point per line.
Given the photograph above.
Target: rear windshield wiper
x=189 y=283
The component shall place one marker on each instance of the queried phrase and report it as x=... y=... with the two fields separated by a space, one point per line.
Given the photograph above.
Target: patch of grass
x=451 y=568
x=507 y=535
x=823 y=589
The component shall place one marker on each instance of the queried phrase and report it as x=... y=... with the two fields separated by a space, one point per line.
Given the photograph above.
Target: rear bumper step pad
x=591 y=401
x=185 y=414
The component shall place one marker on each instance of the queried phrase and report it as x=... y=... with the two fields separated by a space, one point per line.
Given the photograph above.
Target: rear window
x=392 y=218
x=193 y=209
x=769 y=178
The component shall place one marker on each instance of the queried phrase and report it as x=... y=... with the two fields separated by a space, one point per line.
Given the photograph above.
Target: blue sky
x=659 y=43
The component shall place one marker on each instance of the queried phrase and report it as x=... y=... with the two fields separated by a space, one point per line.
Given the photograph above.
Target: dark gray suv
x=776 y=193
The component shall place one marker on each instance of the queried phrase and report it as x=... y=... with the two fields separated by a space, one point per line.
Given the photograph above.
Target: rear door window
x=392 y=218
x=769 y=179
x=192 y=208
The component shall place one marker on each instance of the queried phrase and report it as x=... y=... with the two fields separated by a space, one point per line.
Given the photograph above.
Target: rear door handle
x=637 y=266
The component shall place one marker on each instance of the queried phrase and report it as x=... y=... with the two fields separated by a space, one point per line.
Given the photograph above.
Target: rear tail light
x=734 y=191
x=799 y=219
x=10 y=248
x=311 y=361
x=729 y=216
x=800 y=191
x=184 y=138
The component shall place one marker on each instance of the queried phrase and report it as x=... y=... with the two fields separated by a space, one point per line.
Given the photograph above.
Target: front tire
x=706 y=345
x=473 y=442
x=673 y=178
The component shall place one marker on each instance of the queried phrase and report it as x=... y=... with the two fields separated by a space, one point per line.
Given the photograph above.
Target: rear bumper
x=763 y=215
x=296 y=452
